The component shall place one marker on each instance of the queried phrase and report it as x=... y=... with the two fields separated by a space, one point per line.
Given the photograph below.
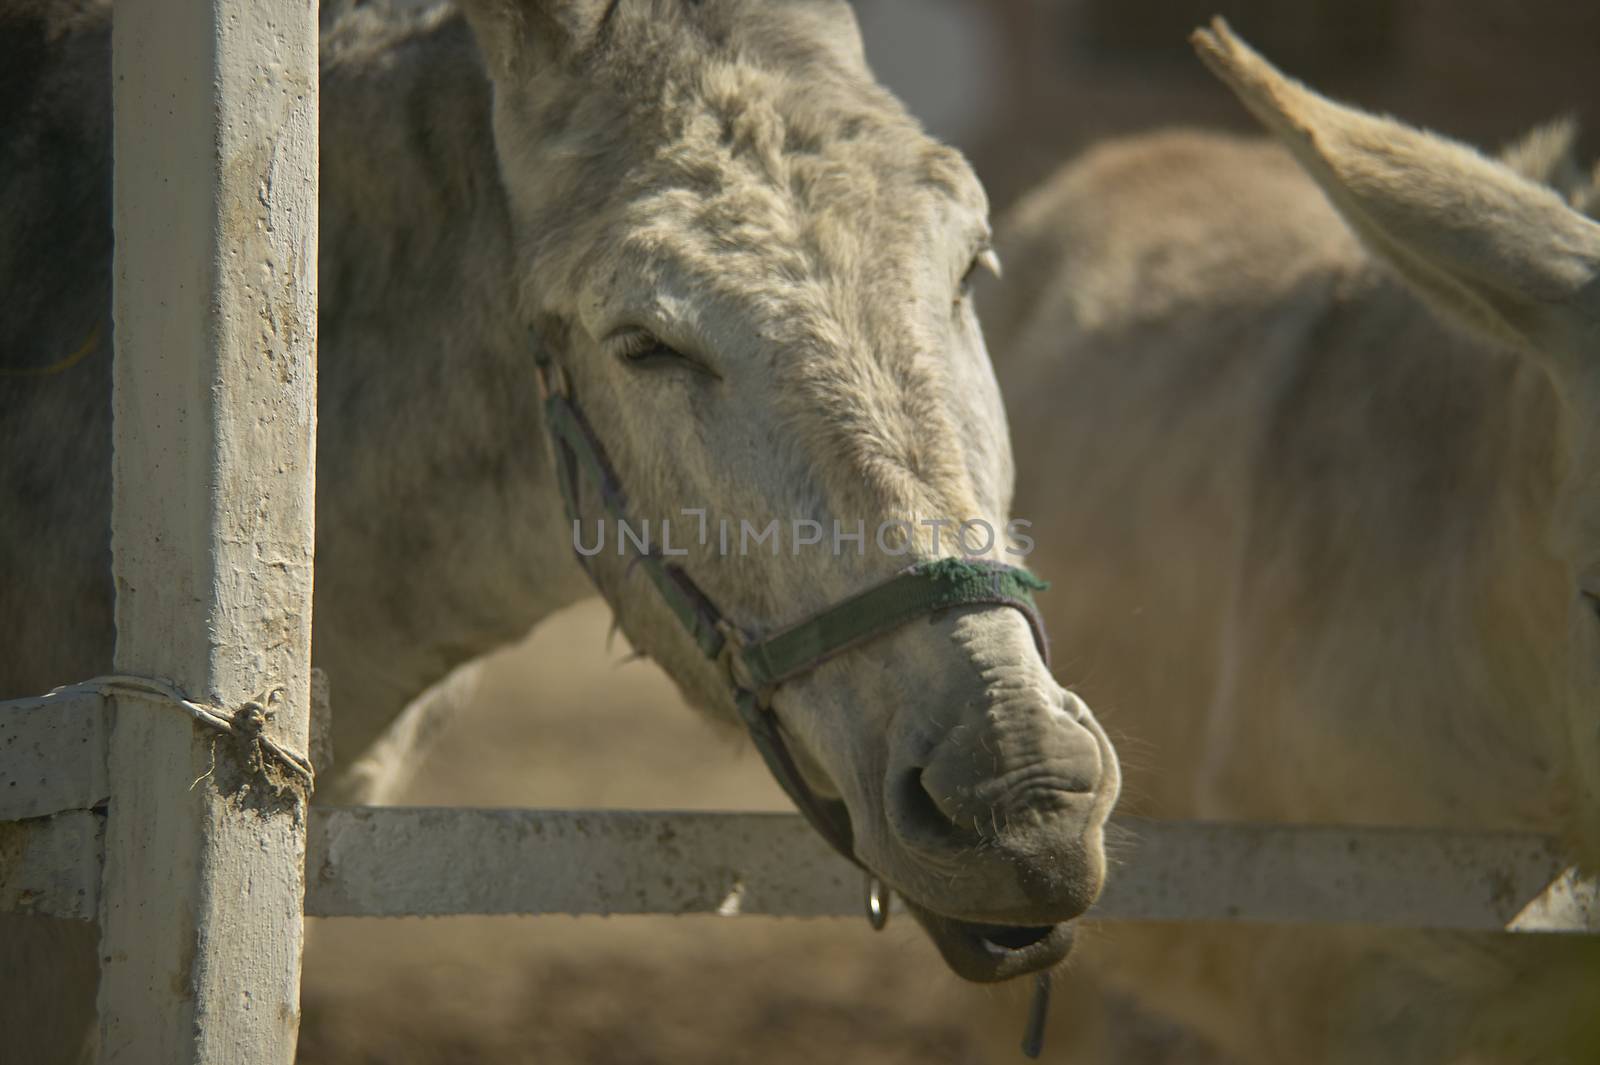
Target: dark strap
x=827 y=816
x=756 y=667
x=578 y=450
x=924 y=588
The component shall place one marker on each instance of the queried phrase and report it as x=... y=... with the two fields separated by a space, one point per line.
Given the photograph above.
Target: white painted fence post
x=215 y=385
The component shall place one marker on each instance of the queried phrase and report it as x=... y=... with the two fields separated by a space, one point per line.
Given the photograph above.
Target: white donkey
x=741 y=270
x=1325 y=483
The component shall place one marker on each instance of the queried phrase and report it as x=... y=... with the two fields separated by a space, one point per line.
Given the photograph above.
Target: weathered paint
x=214 y=304
x=1394 y=877
x=387 y=862
x=52 y=755
x=398 y=861
x=50 y=866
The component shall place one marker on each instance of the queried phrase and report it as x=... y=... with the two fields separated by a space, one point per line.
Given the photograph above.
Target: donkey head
x=751 y=266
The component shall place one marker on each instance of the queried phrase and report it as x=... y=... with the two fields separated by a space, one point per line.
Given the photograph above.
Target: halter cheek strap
x=756 y=667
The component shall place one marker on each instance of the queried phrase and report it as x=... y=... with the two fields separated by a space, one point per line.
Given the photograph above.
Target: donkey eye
x=641 y=348
x=645 y=351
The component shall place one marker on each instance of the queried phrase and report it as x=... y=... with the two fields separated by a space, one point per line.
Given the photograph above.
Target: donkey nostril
x=1073 y=707
x=920 y=810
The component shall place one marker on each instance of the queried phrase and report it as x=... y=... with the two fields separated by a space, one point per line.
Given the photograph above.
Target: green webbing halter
x=922 y=589
x=756 y=667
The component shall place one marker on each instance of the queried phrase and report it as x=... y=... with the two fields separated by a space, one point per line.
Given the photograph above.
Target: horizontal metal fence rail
x=53 y=755
x=398 y=861
x=367 y=861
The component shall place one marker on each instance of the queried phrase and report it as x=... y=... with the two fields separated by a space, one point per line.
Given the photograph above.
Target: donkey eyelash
x=642 y=348
x=636 y=347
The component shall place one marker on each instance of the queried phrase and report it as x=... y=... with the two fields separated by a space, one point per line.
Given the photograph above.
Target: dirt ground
x=562 y=722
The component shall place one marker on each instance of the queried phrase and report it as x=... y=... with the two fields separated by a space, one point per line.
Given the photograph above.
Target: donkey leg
x=383 y=770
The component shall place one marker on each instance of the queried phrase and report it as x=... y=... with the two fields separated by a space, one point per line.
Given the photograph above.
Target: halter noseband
x=756 y=667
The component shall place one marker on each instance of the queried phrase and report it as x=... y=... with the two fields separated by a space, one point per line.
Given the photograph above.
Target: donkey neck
x=440 y=535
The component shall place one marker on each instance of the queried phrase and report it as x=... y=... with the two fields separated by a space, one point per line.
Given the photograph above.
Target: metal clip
x=879 y=896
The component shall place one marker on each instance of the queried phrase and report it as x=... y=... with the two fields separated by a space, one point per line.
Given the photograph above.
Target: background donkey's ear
x=524 y=35
x=1481 y=242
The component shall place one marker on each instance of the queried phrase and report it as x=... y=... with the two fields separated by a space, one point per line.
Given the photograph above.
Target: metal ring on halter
x=879 y=896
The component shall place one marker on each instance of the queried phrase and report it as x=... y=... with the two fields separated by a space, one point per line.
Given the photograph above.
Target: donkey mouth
x=988 y=953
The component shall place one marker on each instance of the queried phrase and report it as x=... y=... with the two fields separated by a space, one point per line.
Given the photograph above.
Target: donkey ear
x=1548 y=154
x=522 y=35
x=1504 y=254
